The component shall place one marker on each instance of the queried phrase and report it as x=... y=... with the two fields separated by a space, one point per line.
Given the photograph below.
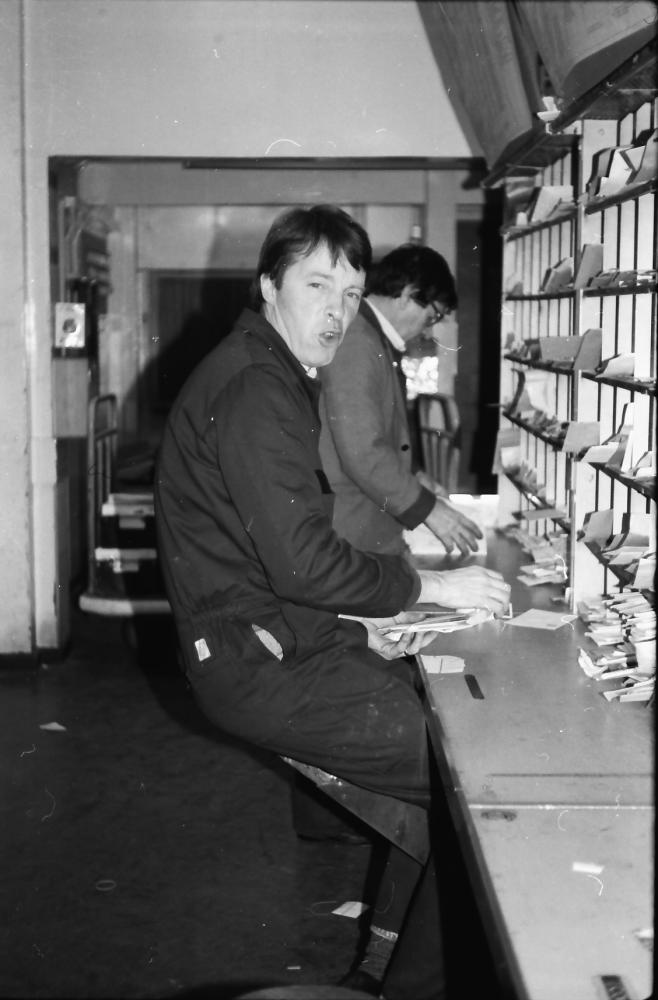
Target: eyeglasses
x=437 y=315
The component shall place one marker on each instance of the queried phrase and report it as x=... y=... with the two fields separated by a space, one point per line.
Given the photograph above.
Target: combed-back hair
x=297 y=232
x=419 y=266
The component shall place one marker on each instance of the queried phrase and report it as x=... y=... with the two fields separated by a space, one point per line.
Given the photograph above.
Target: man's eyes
x=353 y=294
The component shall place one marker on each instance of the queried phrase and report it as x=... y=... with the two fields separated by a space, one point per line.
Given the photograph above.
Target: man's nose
x=335 y=307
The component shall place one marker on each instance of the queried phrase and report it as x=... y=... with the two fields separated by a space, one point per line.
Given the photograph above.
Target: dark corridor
x=192 y=312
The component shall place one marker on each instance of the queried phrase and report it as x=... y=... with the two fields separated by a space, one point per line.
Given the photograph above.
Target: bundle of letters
x=622 y=630
x=547 y=553
x=434 y=621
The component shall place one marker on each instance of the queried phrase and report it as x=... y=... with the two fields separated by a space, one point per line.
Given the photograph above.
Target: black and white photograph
x=328 y=494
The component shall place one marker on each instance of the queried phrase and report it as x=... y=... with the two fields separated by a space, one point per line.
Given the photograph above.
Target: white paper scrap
x=637 y=693
x=646 y=656
x=587 y=868
x=350 y=909
x=536 y=618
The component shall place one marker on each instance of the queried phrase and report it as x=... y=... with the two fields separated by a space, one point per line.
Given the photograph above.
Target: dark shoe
x=359 y=979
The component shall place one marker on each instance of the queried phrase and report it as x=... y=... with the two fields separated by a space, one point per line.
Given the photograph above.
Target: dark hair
x=419 y=266
x=297 y=232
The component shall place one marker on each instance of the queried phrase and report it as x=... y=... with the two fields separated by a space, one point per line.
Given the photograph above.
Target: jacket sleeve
x=268 y=457
x=358 y=406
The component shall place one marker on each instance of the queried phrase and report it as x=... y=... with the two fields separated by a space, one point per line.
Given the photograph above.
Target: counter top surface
x=569 y=926
x=541 y=731
x=543 y=773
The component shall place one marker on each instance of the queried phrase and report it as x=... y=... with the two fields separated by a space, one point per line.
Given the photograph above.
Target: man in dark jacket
x=256 y=575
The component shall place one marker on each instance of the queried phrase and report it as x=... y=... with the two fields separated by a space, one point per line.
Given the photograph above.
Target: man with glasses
x=365 y=443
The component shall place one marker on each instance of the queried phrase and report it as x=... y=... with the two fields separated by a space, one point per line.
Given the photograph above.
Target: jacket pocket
x=210 y=641
x=328 y=496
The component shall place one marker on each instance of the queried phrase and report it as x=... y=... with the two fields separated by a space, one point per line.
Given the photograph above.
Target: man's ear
x=267 y=288
x=406 y=295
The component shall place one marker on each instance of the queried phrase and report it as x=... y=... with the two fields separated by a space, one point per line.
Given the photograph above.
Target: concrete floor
x=148 y=856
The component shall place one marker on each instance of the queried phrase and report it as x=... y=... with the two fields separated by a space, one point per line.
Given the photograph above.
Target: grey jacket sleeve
x=368 y=431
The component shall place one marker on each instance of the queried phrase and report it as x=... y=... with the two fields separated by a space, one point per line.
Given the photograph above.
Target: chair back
x=440 y=438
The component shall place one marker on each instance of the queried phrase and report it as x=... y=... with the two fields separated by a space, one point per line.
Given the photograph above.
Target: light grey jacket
x=364 y=443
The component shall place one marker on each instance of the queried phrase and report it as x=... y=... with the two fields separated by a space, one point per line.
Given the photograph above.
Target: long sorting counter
x=551 y=790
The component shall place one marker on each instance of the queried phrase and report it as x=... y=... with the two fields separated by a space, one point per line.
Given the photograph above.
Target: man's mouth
x=330 y=336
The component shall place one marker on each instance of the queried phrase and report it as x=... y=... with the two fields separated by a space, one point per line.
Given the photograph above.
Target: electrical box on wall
x=70 y=328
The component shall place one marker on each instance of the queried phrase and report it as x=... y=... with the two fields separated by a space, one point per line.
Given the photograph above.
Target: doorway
x=189 y=313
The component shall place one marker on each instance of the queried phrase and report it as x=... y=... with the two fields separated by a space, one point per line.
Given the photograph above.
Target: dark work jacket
x=243 y=508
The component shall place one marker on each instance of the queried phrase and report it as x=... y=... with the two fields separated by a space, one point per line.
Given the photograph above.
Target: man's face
x=414 y=319
x=314 y=306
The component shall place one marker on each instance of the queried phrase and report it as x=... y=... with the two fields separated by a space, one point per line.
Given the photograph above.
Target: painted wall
x=245 y=78
x=15 y=544
x=168 y=78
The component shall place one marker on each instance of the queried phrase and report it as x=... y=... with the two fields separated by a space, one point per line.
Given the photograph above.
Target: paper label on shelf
x=547 y=200
x=619 y=364
x=591 y=262
x=645 y=652
x=600 y=454
x=507 y=452
x=617 y=451
x=581 y=434
x=648 y=167
x=627 y=556
x=589 y=353
x=558 y=348
x=558 y=277
x=539 y=513
x=537 y=389
x=645 y=573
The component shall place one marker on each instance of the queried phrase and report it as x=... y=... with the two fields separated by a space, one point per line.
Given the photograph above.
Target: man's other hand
x=453 y=528
x=467 y=587
x=407 y=645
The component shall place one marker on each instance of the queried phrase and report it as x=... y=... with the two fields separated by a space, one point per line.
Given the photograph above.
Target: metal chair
x=440 y=438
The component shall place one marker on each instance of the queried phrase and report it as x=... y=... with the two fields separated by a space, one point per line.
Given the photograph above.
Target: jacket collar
x=256 y=324
x=386 y=328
